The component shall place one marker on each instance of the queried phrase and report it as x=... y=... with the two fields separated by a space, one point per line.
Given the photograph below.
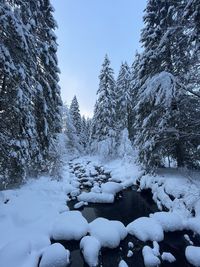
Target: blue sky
x=88 y=29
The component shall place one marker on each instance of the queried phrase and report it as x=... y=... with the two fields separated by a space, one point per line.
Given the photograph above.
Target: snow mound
x=90 y=247
x=70 y=225
x=150 y=259
x=192 y=255
x=111 y=188
x=55 y=255
x=193 y=224
x=122 y=263
x=167 y=256
x=96 y=197
x=18 y=254
x=170 y=221
x=145 y=229
x=109 y=233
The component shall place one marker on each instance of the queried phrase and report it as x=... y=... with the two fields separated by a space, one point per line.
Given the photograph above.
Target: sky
x=87 y=30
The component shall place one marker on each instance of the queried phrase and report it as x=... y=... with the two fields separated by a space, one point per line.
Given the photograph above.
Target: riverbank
x=36 y=216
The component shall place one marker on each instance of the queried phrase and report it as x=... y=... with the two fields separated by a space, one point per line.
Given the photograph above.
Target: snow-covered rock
x=111 y=188
x=129 y=254
x=145 y=229
x=150 y=259
x=170 y=221
x=55 y=255
x=167 y=256
x=122 y=263
x=96 y=197
x=90 y=247
x=192 y=255
x=109 y=233
x=70 y=225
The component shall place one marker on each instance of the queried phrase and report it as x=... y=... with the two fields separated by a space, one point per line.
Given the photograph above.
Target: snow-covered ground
x=37 y=213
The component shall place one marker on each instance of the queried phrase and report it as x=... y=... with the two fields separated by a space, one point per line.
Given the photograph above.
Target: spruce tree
x=123 y=97
x=75 y=115
x=104 y=120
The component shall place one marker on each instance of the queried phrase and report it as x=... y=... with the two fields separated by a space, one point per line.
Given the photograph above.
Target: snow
x=150 y=259
x=90 y=247
x=70 y=225
x=55 y=255
x=108 y=232
x=193 y=224
x=167 y=256
x=193 y=255
x=130 y=245
x=111 y=188
x=129 y=254
x=96 y=197
x=170 y=221
x=122 y=263
x=145 y=229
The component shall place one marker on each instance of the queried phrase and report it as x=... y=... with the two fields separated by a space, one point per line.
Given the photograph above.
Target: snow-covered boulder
x=90 y=247
x=170 y=221
x=122 y=263
x=96 y=197
x=150 y=259
x=70 y=225
x=111 y=188
x=192 y=255
x=55 y=255
x=167 y=256
x=145 y=229
x=109 y=233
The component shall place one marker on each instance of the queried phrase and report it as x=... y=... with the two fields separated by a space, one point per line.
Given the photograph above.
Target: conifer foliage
x=29 y=92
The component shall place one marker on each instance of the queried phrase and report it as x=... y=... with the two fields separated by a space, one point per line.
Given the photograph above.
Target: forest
x=142 y=145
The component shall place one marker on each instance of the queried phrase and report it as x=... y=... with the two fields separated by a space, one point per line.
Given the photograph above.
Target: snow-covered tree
x=105 y=109
x=75 y=115
x=123 y=98
x=72 y=144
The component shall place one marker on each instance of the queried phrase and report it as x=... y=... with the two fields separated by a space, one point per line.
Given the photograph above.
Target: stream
x=128 y=206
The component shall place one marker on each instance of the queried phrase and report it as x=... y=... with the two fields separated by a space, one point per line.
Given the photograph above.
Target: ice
x=145 y=229
x=167 y=256
x=150 y=260
x=55 y=255
x=192 y=255
x=111 y=188
x=122 y=263
x=109 y=233
x=70 y=225
x=170 y=221
x=96 y=197
x=90 y=247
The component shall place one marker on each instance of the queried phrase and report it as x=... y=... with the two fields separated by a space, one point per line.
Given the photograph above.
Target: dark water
x=128 y=206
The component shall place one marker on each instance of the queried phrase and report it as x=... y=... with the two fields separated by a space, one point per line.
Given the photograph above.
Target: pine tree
x=103 y=125
x=75 y=115
x=123 y=97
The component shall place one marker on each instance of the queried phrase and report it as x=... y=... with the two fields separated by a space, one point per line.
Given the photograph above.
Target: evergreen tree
x=103 y=125
x=75 y=115
x=123 y=97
